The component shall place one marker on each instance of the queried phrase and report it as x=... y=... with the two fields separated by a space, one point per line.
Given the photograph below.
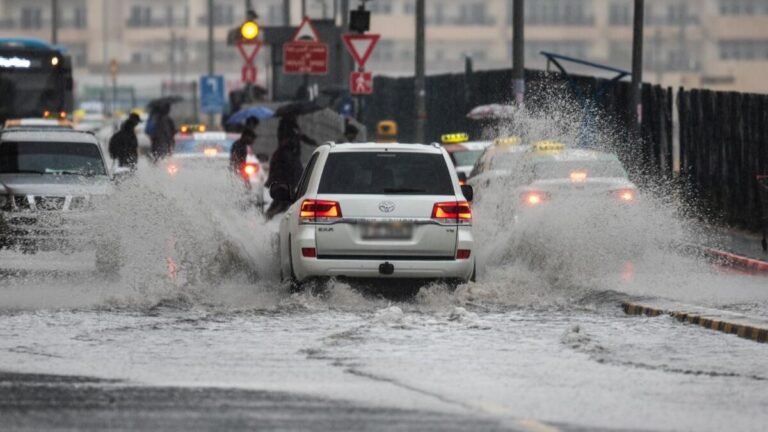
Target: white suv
x=378 y=211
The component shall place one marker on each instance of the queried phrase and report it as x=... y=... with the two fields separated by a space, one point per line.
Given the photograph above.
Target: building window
x=275 y=14
x=380 y=6
x=409 y=8
x=475 y=13
x=559 y=12
x=743 y=7
x=141 y=16
x=31 y=18
x=619 y=14
x=223 y=14
x=744 y=49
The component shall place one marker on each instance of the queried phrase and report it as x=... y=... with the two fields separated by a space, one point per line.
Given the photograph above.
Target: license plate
x=387 y=231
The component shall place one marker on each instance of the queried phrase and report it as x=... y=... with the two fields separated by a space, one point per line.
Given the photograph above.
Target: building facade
x=720 y=44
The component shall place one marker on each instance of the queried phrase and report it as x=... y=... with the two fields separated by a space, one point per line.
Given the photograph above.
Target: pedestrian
x=239 y=152
x=252 y=123
x=288 y=130
x=350 y=132
x=123 y=146
x=162 y=133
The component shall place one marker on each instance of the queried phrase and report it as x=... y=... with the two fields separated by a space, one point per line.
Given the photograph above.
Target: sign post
x=248 y=51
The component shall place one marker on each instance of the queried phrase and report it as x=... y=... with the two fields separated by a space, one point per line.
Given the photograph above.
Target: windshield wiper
x=71 y=172
x=403 y=190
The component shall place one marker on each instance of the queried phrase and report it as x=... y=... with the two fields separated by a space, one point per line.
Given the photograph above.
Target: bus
x=35 y=79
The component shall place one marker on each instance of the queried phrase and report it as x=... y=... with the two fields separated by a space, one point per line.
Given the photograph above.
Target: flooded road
x=197 y=322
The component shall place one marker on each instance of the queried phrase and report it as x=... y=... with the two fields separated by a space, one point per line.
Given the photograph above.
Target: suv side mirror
x=280 y=192
x=468 y=192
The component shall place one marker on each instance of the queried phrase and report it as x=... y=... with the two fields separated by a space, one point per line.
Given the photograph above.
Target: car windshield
x=192 y=146
x=563 y=169
x=466 y=157
x=62 y=158
x=386 y=173
x=508 y=161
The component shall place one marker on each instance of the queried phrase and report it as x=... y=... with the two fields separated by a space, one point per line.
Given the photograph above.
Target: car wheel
x=473 y=278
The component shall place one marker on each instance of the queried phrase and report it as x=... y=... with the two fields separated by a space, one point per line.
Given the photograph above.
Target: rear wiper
x=403 y=190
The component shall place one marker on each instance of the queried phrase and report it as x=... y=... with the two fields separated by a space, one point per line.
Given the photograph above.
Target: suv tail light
x=625 y=195
x=534 y=198
x=452 y=212
x=319 y=211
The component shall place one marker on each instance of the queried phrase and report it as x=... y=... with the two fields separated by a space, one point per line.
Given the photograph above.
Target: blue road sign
x=212 y=98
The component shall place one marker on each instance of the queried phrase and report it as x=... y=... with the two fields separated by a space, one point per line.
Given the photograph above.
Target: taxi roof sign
x=548 y=147
x=507 y=141
x=454 y=138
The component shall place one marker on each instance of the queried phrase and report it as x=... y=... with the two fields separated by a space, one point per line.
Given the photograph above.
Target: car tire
x=473 y=277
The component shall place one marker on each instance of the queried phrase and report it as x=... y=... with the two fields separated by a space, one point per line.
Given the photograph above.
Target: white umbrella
x=491 y=111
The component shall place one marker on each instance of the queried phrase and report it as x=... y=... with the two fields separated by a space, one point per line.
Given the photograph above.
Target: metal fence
x=723 y=136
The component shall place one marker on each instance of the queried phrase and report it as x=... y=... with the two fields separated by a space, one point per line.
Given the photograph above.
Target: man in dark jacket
x=123 y=146
x=163 y=133
x=239 y=152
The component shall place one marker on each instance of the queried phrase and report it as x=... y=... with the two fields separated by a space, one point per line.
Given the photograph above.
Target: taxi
x=39 y=122
x=463 y=152
x=201 y=150
x=188 y=128
x=548 y=173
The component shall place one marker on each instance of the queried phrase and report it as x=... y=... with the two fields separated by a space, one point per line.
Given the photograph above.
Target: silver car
x=51 y=185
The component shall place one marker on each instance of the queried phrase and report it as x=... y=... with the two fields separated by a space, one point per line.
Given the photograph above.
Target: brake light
x=534 y=198
x=172 y=169
x=454 y=212
x=319 y=211
x=625 y=195
x=211 y=152
x=463 y=253
x=578 y=176
x=309 y=252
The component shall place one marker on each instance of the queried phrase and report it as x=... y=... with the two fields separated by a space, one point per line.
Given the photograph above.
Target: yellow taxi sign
x=386 y=131
x=548 y=147
x=192 y=127
x=454 y=138
x=507 y=141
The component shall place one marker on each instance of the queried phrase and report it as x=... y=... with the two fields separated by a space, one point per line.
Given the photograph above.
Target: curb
x=755 y=332
x=734 y=260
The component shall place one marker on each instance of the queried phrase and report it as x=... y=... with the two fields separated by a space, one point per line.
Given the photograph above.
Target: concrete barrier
x=755 y=329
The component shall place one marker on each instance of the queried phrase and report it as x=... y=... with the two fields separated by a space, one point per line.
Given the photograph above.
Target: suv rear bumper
x=403 y=269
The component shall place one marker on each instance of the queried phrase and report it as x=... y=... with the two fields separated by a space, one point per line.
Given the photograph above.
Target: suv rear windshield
x=386 y=173
x=63 y=158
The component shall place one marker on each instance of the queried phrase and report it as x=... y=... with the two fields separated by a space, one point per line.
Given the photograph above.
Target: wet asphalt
x=51 y=402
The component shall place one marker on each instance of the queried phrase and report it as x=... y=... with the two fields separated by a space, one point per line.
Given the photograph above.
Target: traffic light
x=249 y=30
x=360 y=20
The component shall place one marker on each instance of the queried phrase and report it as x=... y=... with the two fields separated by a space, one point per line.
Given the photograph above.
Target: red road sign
x=248 y=73
x=360 y=46
x=249 y=50
x=361 y=82
x=305 y=58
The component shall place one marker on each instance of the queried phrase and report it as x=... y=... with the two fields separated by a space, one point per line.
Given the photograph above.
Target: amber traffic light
x=249 y=30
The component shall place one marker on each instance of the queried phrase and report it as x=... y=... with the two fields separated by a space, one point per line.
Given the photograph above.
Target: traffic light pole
x=518 y=52
x=636 y=101
x=421 y=106
x=210 y=52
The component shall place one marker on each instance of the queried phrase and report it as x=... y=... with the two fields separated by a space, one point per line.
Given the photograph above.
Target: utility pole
x=210 y=52
x=287 y=13
x=518 y=52
x=421 y=96
x=636 y=101
x=54 y=22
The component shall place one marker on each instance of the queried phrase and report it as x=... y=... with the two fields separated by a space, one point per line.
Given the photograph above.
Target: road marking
x=755 y=329
x=532 y=425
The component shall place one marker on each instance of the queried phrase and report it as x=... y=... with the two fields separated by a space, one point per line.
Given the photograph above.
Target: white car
x=212 y=149
x=378 y=211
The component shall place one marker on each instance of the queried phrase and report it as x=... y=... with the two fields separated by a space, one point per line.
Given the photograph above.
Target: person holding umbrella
x=162 y=133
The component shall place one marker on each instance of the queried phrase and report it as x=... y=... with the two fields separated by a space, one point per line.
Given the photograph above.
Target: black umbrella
x=297 y=108
x=154 y=104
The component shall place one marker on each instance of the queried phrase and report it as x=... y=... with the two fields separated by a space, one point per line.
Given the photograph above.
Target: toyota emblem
x=386 y=206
